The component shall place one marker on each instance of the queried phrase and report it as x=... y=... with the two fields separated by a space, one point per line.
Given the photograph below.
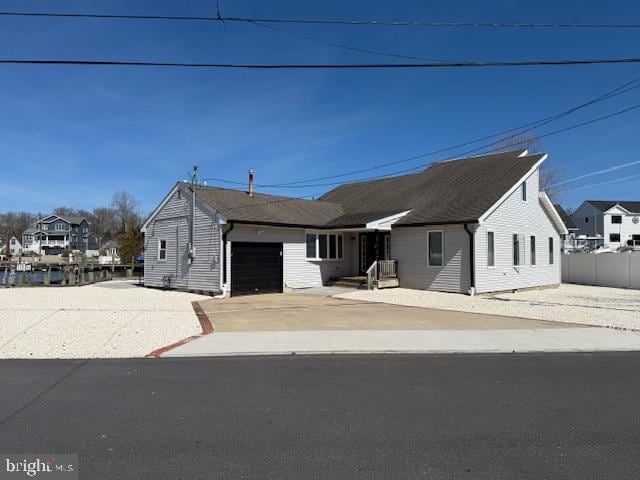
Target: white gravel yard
x=105 y=320
x=599 y=306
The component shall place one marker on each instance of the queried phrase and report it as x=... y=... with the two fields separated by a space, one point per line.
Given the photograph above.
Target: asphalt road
x=342 y=417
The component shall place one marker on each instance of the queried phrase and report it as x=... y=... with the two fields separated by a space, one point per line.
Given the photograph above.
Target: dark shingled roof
x=604 y=205
x=454 y=191
x=268 y=209
x=566 y=219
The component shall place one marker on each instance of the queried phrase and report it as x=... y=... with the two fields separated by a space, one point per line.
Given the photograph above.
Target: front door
x=372 y=246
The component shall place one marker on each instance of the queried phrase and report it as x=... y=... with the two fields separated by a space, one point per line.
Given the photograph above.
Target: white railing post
x=372 y=275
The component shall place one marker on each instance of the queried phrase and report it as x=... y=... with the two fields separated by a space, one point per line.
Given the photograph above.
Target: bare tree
x=12 y=224
x=550 y=173
x=126 y=210
x=127 y=213
x=104 y=222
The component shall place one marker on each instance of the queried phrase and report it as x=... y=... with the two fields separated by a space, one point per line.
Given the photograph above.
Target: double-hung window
x=435 y=248
x=516 y=249
x=162 y=250
x=324 y=246
x=311 y=245
x=491 y=249
x=533 y=249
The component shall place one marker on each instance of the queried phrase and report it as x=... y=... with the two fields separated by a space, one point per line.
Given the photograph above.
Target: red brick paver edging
x=205 y=325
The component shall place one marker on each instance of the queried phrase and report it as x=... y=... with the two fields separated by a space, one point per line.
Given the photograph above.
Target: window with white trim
x=524 y=191
x=324 y=246
x=491 y=249
x=162 y=250
x=533 y=249
x=311 y=245
x=516 y=249
x=60 y=226
x=550 y=250
x=435 y=248
x=616 y=219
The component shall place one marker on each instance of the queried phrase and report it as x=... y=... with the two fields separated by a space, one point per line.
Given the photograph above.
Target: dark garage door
x=256 y=268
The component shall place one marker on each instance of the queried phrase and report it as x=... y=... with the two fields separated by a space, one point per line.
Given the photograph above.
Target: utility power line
x=320 y=21
x=325 y=66
x=518 y=131
x=425 y=23
x=556 y=132
x=346 y=47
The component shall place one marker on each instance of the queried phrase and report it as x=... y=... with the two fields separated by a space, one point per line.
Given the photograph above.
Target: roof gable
x=632 y=206
x=455 y=191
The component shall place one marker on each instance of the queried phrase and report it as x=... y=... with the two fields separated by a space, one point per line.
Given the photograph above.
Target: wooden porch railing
x=380 y=269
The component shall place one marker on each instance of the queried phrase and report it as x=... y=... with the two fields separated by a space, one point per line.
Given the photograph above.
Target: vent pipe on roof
x=251 y=183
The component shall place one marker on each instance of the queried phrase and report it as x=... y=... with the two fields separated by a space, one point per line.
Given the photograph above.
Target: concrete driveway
x=300 y=312
x=305 y=324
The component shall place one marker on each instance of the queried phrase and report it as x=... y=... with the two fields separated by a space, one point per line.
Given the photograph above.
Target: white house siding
x=626 y=229
x=298 y=272
x=515 y=216
x=409 y=248
x=172 y=223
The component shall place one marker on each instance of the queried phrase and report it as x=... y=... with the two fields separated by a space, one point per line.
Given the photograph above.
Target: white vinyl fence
x=620 y=270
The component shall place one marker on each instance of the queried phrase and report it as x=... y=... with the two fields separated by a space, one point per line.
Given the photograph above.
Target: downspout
x=223 y=259
x=472 y=261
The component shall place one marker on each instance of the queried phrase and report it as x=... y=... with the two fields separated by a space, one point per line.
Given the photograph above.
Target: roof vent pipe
x=251 y=183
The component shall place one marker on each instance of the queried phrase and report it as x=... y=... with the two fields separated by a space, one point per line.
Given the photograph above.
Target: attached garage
x=256 y=267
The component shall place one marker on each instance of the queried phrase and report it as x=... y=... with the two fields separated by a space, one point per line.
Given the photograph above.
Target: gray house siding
x=172 y=224
x=298 y=272
x=588 y=219
x=524 y=218
x=409 y=248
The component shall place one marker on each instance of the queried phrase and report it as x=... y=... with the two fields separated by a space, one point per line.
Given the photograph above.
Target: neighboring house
x=15 y=247
x=617 y=223
x=476 y=224
x=110 y=247
x=569 y=240
x=109 y=253
x=91 y=244
x=54 y=234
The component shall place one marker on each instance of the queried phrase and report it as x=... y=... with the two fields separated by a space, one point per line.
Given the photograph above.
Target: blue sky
x=74 y=135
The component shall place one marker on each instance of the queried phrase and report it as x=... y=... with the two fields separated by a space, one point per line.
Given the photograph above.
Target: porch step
x=349 y=282
x=388 y=283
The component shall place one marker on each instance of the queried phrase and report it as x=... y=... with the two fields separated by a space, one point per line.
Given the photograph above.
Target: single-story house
x=471 y=225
